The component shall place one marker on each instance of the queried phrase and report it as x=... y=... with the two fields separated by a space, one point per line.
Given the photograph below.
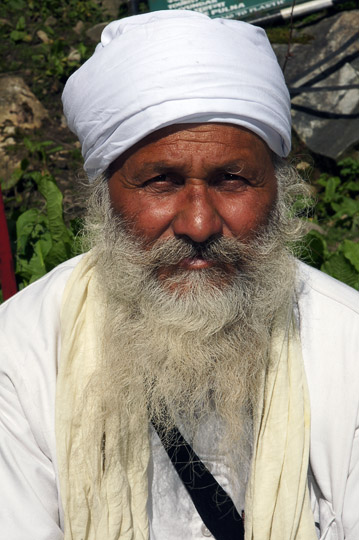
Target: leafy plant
x=41 y=149
x=42 y=36
x=40 y=237
x=19 y=34
x=70 y=11
x=56 y=60
x=332 y=244
x=43 y=240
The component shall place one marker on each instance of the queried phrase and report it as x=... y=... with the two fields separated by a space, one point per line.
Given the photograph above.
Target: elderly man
x=157 y=387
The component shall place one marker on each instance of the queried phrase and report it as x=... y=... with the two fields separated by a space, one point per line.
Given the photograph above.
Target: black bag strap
x=213 y=504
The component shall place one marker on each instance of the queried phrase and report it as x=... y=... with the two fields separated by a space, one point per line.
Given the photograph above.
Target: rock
x=78 y=28
x=327 y=121
x=74 y=55
x=63 y=122
x=9 y=130
x=10 y=141
x=8 y=164
x=18 y=108
x=111 y=7
x=94 y=33
x=18 y=105
x=50 y=21
x=43 y=36
x=4 y=22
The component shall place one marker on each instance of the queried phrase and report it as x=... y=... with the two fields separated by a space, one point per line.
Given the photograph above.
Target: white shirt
x=30 y=505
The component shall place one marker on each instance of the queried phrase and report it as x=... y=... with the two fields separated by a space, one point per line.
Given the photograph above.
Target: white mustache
x=172 y=251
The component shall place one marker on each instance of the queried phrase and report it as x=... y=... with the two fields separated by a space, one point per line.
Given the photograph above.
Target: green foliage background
x=332 y=243
x=41 y=238
x=44 y=42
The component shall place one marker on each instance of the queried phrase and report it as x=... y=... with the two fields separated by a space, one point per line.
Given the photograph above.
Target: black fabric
x=213 y=504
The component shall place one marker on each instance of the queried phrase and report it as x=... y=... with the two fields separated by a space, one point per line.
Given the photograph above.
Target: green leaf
x=340 y=268
x=322 y=180
x=54 y=150
x=347 y=207
x=15 y=177
x=350 y=250
x=17 y=35
x=37 y=264
x=332 y=183
x=349 y=168
x=29 y=144
x=315 y=250
x=59 y=253
x=25 y=225
x=34 y=268
x=53 y=197
x=352 y=186
x=20 y=25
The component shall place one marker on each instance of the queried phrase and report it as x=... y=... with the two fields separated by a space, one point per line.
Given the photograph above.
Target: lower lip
x=195 y=264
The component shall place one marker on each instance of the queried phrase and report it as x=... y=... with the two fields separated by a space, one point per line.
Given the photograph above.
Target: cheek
x=147 y=219
x=244 y=216
x=152 y=221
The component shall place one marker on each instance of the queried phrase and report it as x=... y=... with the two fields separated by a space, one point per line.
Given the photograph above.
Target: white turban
x=172 y=67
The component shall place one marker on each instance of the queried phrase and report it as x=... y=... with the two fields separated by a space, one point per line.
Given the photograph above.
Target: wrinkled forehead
x=164 y=68
x=181 y=143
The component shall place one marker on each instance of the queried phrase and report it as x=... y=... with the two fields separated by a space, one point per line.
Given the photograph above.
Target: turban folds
x=170 y=67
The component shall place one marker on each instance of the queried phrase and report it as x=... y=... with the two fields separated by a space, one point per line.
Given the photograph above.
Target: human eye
x=231 y=181
x=161 y=182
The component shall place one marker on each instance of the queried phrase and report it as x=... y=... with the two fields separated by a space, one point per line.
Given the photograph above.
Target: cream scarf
x=277 y=501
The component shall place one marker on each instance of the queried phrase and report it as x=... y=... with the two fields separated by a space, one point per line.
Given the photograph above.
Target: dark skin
x=195 y=181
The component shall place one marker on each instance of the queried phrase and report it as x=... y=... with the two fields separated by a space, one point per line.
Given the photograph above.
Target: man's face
x=183 y=313
x=196 y=182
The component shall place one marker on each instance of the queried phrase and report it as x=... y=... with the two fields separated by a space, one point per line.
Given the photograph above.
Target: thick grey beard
x=185 y=353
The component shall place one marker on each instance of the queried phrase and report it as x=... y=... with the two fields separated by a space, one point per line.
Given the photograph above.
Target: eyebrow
x=163 y=166
x=149 y=170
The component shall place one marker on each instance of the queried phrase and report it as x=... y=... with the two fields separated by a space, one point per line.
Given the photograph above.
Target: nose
x=197 y=217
